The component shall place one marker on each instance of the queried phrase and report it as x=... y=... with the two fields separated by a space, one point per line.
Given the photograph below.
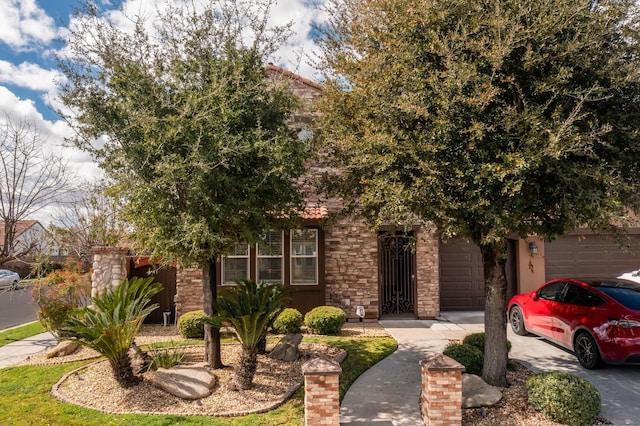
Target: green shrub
x=325 y=320
x=564 y=397
x=191 y=324
x=477 y=340
x=469 y=356
x=58 y=295
x=165 y=357
x=289 y=321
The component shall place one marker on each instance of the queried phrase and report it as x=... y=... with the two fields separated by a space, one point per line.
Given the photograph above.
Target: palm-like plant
x=111 y=327
x=249 y=308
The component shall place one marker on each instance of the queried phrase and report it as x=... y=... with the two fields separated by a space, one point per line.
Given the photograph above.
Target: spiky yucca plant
x=111 y=325
x=249 y=308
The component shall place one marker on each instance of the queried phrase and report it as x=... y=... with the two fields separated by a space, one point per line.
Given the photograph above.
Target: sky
x=31 y=31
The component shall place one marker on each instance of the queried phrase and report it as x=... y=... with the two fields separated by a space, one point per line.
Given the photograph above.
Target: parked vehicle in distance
x=631 y=276
x=599 y=320
x=9 y=279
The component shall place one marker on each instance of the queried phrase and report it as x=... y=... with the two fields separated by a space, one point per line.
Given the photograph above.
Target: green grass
x=25 y=397
x=19 y=333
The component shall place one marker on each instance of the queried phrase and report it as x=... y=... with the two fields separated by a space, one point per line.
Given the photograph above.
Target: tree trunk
x=212 y=353
x=122 y=371
x=243 y=376
x=494 y=260
x=262 y=345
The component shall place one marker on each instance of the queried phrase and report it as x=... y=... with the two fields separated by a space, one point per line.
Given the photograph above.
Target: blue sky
x=32 y=30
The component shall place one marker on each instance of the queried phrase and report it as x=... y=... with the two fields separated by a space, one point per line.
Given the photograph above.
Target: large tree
x=189 y=127
x=485 y=118
x=31 y=178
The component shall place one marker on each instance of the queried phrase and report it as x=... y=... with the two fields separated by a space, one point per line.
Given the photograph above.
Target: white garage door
x=590 y=256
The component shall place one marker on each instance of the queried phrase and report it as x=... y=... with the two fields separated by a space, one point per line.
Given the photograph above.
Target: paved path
x=388 y=394
x=16 y=352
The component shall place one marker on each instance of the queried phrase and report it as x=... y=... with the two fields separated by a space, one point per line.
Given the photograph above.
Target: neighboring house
x=345 y=264
x=32 y=238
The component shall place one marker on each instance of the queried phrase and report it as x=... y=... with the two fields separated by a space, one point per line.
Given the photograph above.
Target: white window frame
x=293 y=256
x=259 y=256
x=236 y=256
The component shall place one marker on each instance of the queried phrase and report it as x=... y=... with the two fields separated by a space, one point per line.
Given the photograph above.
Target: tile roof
x=314 y=212
x=293 y=76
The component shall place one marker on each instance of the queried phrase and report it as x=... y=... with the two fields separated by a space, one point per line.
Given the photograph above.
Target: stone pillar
x=109 y=268
x=321 y=392
x=441 y=397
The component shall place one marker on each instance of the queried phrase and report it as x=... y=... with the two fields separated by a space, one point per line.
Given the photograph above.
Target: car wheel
x=587 y=352
x=14 y=285
x=517 y=321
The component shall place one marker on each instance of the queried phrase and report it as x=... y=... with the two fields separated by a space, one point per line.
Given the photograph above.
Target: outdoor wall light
x=533 y=248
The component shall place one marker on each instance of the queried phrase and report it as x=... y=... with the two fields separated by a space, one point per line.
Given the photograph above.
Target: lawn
x=19 y=333
x=25 y=397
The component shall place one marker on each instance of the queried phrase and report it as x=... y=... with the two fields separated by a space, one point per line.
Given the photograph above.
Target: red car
x=599 y=320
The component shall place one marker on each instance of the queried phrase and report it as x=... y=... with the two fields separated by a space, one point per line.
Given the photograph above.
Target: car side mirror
x=536 y=296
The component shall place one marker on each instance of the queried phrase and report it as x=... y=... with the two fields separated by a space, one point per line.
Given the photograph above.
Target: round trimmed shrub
x=477 y=340
x=289 y=321
x=564 y=398
x=191 y=324
x=467 y=355
x=325 y=320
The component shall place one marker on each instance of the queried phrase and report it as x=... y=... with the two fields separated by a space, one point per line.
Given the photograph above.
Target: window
x=552 y=291
x=577 y=295
x=236 y=265
x=304 y=256
x=269 y=257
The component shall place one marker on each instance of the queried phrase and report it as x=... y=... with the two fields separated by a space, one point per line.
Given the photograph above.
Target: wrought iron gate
x=397 y=274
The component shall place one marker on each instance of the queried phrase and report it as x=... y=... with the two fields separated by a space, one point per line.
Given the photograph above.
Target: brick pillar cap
x=321 y=366
x=441 y=362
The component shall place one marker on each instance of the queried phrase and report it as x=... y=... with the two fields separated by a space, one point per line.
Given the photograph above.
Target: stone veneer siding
x=428 y=274
x=189 y=292
x=351 y=268
x=109 y=268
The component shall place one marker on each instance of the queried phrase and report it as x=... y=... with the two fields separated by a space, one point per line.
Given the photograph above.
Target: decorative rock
x=287 y=348
x=477 y=393
x=185 y=382
x=63 y=348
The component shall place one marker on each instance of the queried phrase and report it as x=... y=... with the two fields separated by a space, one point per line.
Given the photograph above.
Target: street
x=16 y=307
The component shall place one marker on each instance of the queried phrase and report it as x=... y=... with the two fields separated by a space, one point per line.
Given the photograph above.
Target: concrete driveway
x=619 y=386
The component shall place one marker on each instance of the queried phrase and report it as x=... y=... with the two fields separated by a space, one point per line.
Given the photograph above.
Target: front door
x=397 y=266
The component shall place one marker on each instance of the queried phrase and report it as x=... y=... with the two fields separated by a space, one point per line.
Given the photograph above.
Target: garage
x=462 y=275
x=590 y=256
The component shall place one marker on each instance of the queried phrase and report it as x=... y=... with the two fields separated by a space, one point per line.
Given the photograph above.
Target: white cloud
x=24 y=24
x=29 y=76
x=55 y=133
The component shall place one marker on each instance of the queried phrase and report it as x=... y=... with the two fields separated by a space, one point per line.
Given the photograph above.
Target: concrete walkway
x=388 y=394
x=16 y=352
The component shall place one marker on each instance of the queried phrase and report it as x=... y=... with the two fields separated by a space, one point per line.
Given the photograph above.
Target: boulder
x=63 y=348
x=477 y=393
x=185 y=382
x=287 y=348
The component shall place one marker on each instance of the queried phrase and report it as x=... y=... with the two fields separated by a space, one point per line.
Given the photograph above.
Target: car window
x=552 y=291
x=624 y=296
x=577 y=295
